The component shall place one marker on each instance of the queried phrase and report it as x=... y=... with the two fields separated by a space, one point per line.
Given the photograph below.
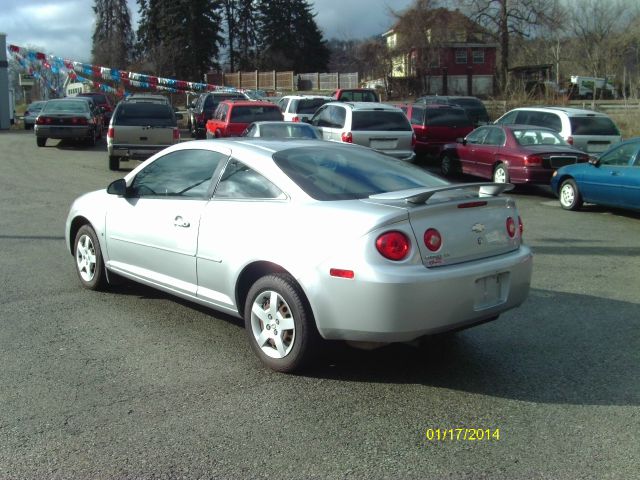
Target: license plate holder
x=491 y=291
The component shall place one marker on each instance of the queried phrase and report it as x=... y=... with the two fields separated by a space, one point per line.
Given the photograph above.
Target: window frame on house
x=477 y=56
x=458 y=56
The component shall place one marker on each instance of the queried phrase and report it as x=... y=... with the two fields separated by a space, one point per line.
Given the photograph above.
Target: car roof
x=300 y=97
x=570 y=111
x=249 y=103
x=366 y=106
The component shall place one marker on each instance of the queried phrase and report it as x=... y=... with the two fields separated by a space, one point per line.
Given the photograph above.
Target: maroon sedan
x=510 y=153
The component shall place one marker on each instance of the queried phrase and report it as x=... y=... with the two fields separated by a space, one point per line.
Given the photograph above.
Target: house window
x=391 y=41
x=478 y=56
x=461 y=55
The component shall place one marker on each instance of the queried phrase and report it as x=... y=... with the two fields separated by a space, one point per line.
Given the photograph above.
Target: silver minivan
x=591 y=132
x=379 y=126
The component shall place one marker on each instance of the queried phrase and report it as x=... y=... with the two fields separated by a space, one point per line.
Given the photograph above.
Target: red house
x=446 y=54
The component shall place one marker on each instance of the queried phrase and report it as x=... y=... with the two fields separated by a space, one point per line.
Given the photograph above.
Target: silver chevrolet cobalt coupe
x=306 y=240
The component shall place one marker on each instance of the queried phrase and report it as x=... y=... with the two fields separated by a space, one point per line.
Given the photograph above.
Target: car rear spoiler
x=421 y=195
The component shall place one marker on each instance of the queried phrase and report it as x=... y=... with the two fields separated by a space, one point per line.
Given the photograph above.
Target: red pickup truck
x=231 y=117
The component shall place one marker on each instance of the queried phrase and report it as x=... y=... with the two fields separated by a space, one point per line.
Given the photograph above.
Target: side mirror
x=595 y=161
x=118 y=187
x=463 y=141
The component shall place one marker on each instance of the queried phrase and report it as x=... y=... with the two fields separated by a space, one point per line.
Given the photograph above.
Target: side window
x=552 y=121
x=184 y=173
x=508 y=119
x=495 y=136
x=477 y=136
x=283 y=104
x=321 y=118
x=620 y=156
x=417 y=116
x=337 y=116
x=240 y=181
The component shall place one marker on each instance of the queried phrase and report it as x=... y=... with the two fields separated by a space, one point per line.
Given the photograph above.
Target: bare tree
x=506 y=18
x=599 y=27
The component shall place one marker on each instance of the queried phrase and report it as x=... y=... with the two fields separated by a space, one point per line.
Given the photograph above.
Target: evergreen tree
x=290 y=38
x=246 y=34
x=180 y=38
x=113 y=36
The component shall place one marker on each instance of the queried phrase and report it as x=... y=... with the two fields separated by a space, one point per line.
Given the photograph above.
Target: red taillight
x=176 y=134
x=511 y=227
x=43 y=120
x=570 y=140
x=347 y=137
x=413 y=140
x=520 y=225
x=111 y=132
x=532 y=160
x=433 y=239
x=295 y=119
x=393 y=245
x=338 y=272
x=79 y=121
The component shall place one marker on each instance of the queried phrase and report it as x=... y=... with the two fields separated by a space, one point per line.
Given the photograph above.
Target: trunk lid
x=471 y=219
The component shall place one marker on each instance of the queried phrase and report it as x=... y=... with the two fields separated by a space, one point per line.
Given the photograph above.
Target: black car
x=75 y=118
x=202 y=110
x=474 y=107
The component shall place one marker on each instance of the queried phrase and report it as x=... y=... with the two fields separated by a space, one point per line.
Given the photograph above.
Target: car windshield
x=152 y=114
x=595 y=125
x=70 y=106
x=212 y=101
x=535 y=136
x=334 y=173
x=448 y=117
x=380 y=120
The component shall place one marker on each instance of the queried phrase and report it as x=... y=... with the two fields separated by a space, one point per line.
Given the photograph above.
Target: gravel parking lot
x=133 y=383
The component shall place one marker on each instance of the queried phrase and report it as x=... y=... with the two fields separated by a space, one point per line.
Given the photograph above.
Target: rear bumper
x=407 y=303
x=139 y=152
x=60 y=132
x=404 y=155
x=530 y=175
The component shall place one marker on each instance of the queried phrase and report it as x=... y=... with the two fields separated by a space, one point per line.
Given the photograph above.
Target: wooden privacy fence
x=284 y=81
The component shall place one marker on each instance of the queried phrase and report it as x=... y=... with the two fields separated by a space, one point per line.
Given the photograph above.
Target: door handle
x=180 y=222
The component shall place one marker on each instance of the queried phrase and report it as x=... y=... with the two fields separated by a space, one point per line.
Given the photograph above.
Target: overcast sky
x=64 y=27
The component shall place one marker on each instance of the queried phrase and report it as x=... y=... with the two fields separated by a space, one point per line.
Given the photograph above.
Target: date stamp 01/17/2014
x=463 y=434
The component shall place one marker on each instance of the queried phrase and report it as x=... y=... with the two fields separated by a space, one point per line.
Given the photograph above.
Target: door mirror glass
x=117 y=187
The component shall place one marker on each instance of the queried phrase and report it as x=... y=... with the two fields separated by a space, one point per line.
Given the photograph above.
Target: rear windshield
x=380 y=120
x=153 y=114
x=287 y=130
x=448 y=117
x=358 y=96
x=250 y=114
x=66 y=106
x=593 y=126
x=212 y=101
x=334 y=173
x=308 y=105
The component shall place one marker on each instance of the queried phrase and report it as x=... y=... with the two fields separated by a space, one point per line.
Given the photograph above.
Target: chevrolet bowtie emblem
x=478 y=228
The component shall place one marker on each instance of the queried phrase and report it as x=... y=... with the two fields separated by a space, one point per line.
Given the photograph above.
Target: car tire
x=41 y=141
x=284 y=336
x=114 y=163
x=501 y=174
x=448 y=165
x=569 y=195
x=89 y=263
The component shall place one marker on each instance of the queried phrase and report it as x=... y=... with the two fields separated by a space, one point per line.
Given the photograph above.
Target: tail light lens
x=176 y=133
x=43 y=120
x=570 y=140
x=520 y=226
x=295 y=119
x=432 y=239
x=347 y=137
x=511 y=227
x=111 y=132
x=393 y=245
x=79 y=121
x=533 y=160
